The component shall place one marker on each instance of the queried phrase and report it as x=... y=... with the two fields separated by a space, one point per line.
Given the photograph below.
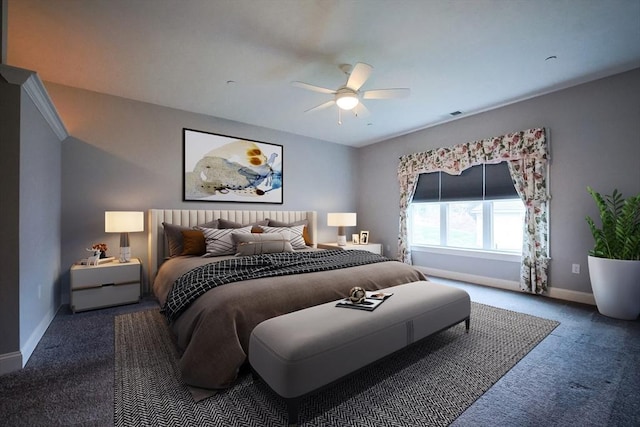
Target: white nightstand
x=376 y=248
x=105 y=285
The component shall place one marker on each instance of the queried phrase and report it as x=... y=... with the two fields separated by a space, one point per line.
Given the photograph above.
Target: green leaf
x=619 y=235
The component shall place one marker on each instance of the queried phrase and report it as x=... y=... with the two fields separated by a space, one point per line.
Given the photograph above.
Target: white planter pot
x=616 y=287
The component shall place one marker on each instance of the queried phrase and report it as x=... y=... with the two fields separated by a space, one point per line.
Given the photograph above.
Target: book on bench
x=370 y=303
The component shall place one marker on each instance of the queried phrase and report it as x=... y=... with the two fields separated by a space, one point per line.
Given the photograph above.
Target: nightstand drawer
x=376 y=248
x=104 y=296
x=106 y=274
x=105 y=285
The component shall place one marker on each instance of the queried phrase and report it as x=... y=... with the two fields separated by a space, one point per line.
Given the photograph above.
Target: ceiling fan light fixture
x=347 y=100
x=347 y=97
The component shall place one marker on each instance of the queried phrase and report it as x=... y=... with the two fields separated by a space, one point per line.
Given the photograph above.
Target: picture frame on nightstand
x=355 y=239
x=364 y=237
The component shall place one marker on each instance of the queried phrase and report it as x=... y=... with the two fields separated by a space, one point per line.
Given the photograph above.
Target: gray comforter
x=213 y=332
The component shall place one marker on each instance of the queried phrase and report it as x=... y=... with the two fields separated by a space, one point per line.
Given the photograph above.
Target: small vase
x=103 y=254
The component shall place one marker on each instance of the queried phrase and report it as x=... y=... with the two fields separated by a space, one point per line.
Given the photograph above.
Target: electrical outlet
x=575 y=268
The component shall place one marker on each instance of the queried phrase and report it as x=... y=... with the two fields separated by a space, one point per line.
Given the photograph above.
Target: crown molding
x=34 y=88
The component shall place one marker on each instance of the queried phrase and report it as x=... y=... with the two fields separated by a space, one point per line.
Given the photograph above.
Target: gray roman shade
x=480 y=182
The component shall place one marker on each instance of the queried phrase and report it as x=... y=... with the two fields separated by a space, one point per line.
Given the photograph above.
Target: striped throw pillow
x=220 y=241
x=295 y=234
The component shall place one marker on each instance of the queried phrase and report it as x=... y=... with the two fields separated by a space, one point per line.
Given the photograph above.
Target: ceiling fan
x=348 y=96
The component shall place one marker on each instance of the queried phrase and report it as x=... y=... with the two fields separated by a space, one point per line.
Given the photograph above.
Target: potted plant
x=614 y=262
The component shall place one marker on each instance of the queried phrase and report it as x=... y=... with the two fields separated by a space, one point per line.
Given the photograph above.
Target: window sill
x=471 y=253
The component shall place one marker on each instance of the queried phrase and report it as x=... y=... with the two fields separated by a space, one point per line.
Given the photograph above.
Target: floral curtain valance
x=527 y=154
x=454 y=160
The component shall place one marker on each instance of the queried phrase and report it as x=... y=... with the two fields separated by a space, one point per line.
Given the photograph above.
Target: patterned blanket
x=199 y=280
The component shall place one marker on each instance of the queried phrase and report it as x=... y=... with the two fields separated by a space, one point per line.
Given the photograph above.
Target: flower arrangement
x=102 y=247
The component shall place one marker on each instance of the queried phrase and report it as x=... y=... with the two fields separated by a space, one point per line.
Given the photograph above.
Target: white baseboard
x=510 y=285
x=10 y=362
x=17 y=360
x=471 y=278
x=35 y=337
x=569 y=295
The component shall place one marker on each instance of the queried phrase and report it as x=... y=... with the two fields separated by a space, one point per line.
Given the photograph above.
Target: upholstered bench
x=300 y=352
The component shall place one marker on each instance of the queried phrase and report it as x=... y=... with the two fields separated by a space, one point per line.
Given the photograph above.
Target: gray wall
x=593 y=134
x=30 y=223
x=40 y=189
x=127 y=155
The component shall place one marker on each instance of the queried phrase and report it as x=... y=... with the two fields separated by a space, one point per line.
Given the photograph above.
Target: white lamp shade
x=341 y=219
x=123 y=222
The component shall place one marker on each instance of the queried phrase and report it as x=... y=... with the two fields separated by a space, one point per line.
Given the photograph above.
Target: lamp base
x=125 y=249
x=125 y=254
x=342 y=240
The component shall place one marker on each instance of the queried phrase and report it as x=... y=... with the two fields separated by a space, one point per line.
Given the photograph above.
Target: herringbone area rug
x=428 y=384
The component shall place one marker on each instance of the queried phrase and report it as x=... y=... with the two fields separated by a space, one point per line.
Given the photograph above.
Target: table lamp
x=124 y=223
x=341 y=220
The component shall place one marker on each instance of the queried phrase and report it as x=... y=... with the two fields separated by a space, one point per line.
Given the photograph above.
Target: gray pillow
x=210 y=224
x=274 y=223
x=260 y=243
x=225 y=223
x=173 y=234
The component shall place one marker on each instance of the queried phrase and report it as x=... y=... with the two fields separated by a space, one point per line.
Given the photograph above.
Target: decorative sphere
x=357 y=294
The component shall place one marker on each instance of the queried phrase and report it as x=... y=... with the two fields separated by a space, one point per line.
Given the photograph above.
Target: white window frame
x=467 y=252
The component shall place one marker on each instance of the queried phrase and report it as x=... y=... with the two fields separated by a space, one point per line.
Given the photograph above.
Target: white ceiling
x=466 y=55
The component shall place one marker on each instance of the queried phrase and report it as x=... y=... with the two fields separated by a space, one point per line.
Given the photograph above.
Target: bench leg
x=467 y=323
x=292 y=411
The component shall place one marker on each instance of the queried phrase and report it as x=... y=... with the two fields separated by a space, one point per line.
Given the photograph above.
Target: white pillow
x=295 y=234
x=220 y=241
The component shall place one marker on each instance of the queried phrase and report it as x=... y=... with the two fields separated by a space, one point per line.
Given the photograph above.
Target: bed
x=212 y=331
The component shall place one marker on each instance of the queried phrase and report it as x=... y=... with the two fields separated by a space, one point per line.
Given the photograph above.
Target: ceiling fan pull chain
x=339 y=116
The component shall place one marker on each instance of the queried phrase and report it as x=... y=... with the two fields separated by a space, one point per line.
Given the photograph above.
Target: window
x=478 y=209
x=493 y=225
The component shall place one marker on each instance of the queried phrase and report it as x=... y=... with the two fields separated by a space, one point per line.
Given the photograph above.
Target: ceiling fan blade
x=361 y=111
x=386 y=93
x=359 y=75
x=321 y=106
x=313 y=88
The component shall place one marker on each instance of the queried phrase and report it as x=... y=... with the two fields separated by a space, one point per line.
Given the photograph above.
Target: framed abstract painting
x=223 y=168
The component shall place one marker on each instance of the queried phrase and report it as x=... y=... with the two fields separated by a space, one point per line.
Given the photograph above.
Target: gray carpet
x=431 y=383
